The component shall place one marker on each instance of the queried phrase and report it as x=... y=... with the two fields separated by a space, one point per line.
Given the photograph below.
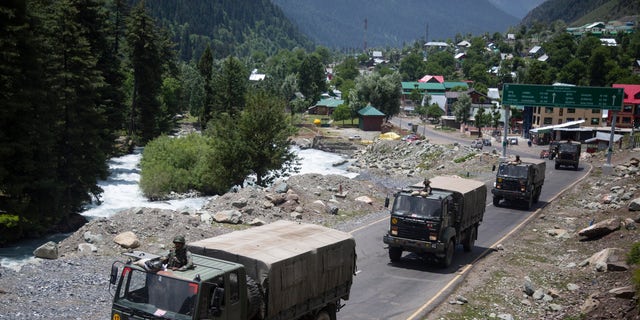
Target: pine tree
x=230 y=87
x=146 y=62
x=205 y=67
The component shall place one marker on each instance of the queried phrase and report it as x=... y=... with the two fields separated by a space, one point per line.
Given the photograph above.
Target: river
x=121 y=191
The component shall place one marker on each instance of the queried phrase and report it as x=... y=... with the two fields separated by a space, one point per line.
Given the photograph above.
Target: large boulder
x=601 y=228
x=48 y=250
x=634 y=205
x=127 y=240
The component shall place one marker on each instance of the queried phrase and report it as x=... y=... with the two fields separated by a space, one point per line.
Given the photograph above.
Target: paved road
x=410 y=288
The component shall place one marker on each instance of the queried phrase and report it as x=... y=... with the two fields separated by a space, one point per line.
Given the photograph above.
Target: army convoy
x=283 y=270
x=519 y=182
x=432 y=218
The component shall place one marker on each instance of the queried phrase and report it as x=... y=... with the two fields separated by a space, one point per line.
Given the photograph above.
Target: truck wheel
x=256 y=302
x=395 y=254
x=470 y=239
x=448 y=257
x=496 y=201
x=575 y=167
x=327 y=313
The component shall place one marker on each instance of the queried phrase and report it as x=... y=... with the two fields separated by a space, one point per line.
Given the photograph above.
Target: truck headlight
x=394 y=231
x=433 y=237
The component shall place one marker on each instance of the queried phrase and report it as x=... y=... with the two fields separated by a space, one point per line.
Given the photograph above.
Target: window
x=570 y=119
x=548 y=120
x=626 y=120
x=571 y=110
x=559 y=121
x=595 y=121
x=548 y=110
x=627 y=108
x=234 y=287
x=561 y=112
x=595 y=110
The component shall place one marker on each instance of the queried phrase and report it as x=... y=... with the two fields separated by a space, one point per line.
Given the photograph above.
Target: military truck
x=567 y=153
x=283 y=270
x=519 y=182
x=431 y=220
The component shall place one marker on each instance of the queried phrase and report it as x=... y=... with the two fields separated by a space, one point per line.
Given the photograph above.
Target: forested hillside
x=340 y=23
x=572 y=11
x=516 y=8
x=238 y=27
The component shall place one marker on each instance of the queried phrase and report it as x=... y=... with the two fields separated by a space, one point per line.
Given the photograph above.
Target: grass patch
x=464 y=158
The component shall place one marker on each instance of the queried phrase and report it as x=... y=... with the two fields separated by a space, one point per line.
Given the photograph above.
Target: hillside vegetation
x=580 y=12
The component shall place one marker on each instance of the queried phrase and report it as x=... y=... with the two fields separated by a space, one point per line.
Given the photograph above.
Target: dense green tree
x=462 y=109
x=312 y=79
x=434 y=111
x=145 y=54
x=598 y=68
x=560 y=49
x=412 y=67
x=348 y=69
x=480 y=120
x=205 y=67
x=265 y=138
x=193 y=90
x=382 y=92
x=538 y=73
x=288 y=91
x=229 y=87
x=574 y=72
x=341 y=113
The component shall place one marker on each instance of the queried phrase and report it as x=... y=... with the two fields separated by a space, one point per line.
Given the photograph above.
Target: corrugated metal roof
x=370 y=111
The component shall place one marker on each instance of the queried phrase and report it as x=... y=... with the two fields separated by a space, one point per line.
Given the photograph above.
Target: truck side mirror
x=386 y=202
x=114 y=274
x=493 y=168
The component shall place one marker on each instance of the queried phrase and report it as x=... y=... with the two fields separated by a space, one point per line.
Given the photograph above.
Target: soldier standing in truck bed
x=179 y=258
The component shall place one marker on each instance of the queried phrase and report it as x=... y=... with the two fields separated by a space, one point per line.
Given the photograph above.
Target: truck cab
x=214 y=289
x=519 y=182
x=431 y=221
x=567 y=154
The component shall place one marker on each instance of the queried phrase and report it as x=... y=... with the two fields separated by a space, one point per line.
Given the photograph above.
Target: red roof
x=631 y=92
x=430 y=78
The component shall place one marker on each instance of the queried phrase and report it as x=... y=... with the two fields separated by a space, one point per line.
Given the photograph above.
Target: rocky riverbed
x=75 y=284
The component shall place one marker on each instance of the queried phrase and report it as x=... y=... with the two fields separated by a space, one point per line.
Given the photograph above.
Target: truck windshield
x=512 y=170
x=156 y=294
x=568 y=147
x=406 y=205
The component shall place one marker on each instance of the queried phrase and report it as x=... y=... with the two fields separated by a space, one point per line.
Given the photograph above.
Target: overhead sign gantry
x=562 y=96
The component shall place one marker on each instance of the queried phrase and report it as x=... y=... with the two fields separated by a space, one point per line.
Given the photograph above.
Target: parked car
x=486 y=142
x=477 y=144
x=513 y=141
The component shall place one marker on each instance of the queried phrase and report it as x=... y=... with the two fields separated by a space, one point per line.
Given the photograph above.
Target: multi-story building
x=629 y=116
x=547 y=116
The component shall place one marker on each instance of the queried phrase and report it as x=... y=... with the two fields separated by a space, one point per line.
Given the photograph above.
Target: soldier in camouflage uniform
x=179 y=258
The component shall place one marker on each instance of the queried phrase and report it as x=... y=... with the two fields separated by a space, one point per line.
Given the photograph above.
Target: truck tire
x=496 y=201
x=327 y=313
x=448 y=255
x=470 y=239
x=256 y=300
x=395 y=254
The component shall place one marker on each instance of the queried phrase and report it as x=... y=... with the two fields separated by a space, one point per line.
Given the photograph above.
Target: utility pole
x=365 y=34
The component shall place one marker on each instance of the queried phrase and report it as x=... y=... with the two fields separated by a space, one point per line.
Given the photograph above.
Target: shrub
x=633 y=257
x=175 y=164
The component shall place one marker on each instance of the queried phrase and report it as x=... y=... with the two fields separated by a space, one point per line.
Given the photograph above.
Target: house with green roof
x=371 y=119
x=325 y=106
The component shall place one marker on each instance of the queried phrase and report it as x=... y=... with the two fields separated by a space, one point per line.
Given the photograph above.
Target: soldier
x=180 y=258
x=427 y=186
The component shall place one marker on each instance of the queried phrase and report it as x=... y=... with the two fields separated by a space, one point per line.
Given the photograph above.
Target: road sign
x=563 y=96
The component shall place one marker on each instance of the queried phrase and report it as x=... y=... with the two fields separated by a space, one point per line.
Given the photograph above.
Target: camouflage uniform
x=180 y=257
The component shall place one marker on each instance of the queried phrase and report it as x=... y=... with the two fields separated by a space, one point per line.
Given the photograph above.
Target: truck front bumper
x=416 y=246
x=509 y=194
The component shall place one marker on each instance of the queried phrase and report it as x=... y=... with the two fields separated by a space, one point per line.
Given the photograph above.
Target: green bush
x=633 y=257
x=176 y=164
x=464 y=158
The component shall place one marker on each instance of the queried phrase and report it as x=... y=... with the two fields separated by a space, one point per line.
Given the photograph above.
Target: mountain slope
x=340 y=23
x=516 y=8
x=572 y=11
